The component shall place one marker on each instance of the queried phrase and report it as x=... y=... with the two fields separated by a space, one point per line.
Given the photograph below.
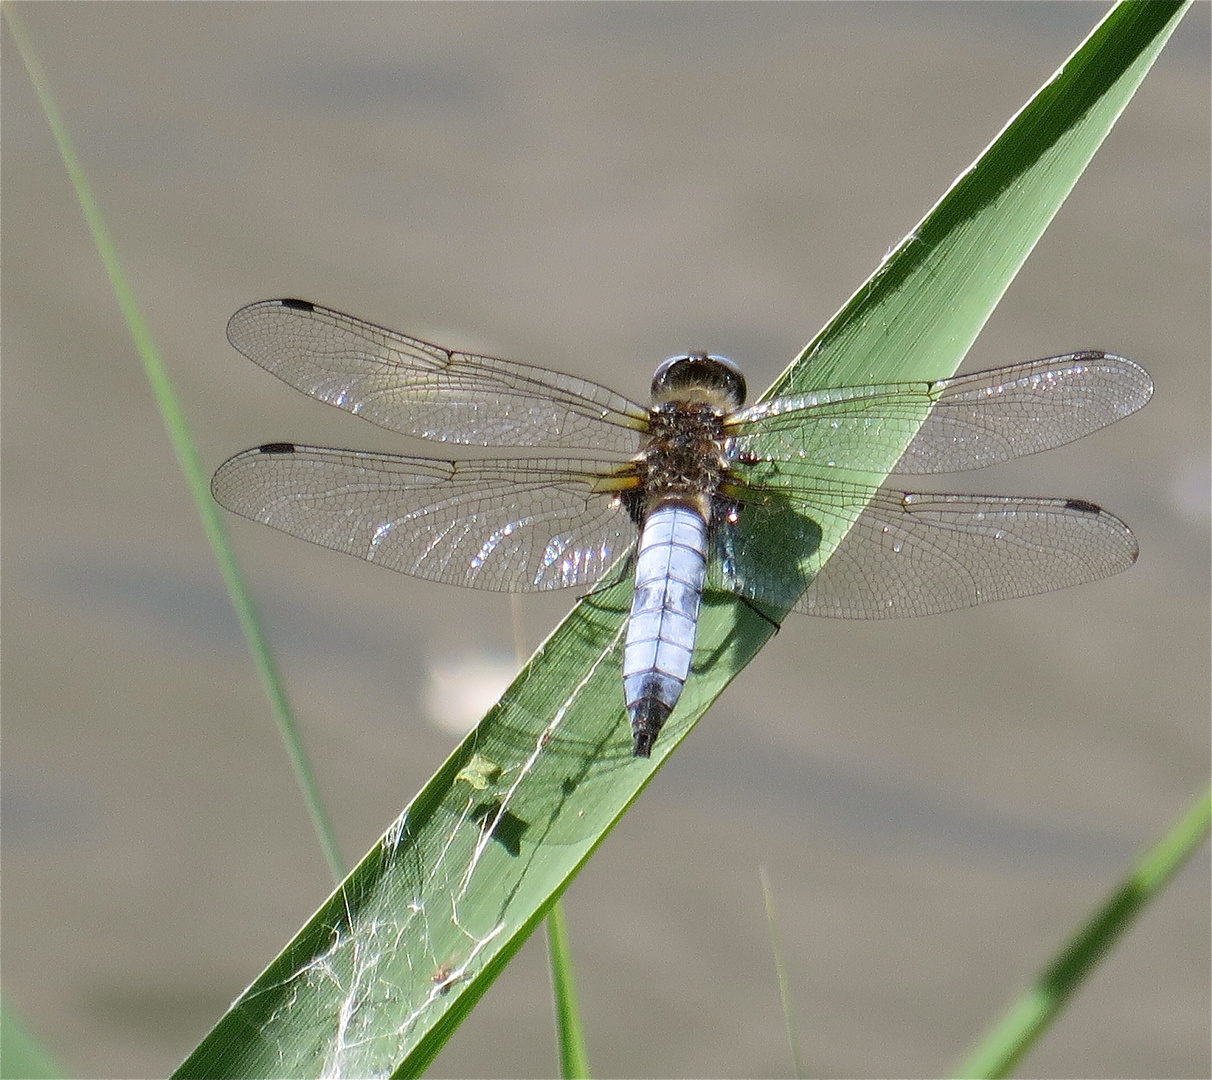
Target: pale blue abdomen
x=671 y=566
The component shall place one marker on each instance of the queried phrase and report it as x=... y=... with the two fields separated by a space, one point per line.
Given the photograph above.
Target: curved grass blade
x=1039 y=1006
x=196 y=477
x=378 y=980
x=780 y=971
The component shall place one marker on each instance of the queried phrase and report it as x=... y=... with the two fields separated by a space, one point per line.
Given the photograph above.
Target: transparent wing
x=919 y=554
x=976 y=420
x=422 y=390
x=522 y=525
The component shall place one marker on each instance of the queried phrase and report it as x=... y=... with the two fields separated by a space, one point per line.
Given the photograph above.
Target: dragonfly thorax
x=683 y=459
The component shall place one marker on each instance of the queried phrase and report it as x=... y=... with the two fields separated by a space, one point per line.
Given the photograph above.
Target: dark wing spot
x=299 y=305
x=277 y=448
x=1082 y=507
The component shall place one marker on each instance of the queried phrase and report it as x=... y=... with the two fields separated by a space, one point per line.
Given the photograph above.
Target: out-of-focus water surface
x=590 y=188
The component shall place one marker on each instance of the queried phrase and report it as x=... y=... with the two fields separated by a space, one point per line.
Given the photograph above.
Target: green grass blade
x=570 y=1032
x=1039 y=1006
x=384 y=972
x=197 y=478
x=780 y=970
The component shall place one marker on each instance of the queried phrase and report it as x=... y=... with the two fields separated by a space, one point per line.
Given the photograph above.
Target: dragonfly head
x=700 y=378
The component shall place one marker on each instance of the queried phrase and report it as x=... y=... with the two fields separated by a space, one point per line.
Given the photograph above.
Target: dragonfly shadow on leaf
x=547 y=777
x=772 y=560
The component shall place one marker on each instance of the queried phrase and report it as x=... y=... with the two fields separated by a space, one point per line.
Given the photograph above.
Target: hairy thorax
x=683 y=459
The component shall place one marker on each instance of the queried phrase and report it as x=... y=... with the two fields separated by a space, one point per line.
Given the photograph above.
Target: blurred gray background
x=588 y=187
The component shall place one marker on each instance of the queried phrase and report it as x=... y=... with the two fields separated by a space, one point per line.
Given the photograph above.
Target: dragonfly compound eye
x=700 y=373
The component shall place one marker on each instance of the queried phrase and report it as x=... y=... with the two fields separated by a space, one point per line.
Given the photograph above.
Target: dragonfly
x=723 y=496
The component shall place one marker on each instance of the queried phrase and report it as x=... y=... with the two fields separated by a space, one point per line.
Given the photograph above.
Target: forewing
x=522 y=525
x=973 y=420
x=419 y=389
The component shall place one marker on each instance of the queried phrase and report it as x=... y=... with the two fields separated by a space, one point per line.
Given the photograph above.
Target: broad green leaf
x=20 y=1055
x=380 y=977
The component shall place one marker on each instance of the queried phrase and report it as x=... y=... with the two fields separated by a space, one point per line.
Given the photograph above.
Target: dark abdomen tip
x=648 y=716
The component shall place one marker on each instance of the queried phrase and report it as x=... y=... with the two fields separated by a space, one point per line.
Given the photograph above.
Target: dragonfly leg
x=759 y=612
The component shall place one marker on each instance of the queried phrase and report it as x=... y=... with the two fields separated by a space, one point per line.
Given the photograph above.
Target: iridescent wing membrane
x=913 y=553
x=532 y=523
x=512 y=525
x=419 y=389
